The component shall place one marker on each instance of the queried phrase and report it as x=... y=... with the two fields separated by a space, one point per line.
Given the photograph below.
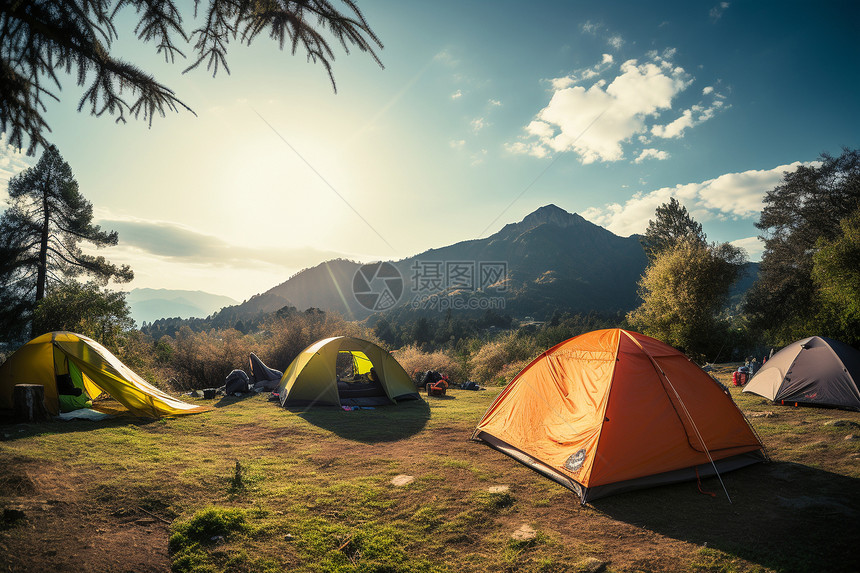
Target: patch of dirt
x=65 y=530
x=401 y=480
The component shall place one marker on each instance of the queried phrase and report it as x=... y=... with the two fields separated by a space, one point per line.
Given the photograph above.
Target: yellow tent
x=42 y=359
x=312 y=378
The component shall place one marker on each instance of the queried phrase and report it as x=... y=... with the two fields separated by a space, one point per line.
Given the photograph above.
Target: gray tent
x=263 y=377
x=816 y=371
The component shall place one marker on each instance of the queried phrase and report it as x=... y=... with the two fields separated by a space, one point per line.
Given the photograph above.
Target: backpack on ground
x=237 y=381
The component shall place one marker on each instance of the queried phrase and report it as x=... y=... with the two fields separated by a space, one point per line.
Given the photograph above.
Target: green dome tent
x=312 y=378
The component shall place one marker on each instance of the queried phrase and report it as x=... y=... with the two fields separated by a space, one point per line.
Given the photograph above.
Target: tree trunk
x=29 y=403
x=42 y=273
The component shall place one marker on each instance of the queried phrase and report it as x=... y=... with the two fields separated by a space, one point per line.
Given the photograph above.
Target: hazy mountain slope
x=151 y=304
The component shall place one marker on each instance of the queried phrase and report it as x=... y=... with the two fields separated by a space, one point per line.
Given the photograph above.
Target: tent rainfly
x=816 y=371
x=313 y=377
x=89 y=366
x=612 y=410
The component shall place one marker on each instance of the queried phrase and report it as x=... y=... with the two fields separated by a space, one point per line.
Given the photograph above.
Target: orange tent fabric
x=613 y=410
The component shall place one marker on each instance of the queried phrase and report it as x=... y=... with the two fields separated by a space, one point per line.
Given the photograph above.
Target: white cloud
x=478 y=124
x=708 y=90
x=717 y=11
x=729 y=196
x=624 y=106
x=651 y=154
x=676 y=128
x=457 y=143
x=596 y=116
x=692 y=117
x=479 y=157
x=741 y=194
x=457 y=94
x=521 y=148
x=616 y=42
x=752 y=245
x=445 y=57
x=495 y=102
x=12 y=162
x=173 y=242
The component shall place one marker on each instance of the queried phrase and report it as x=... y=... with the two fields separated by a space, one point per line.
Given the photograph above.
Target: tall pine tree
x=40 y=240
x=671 y=225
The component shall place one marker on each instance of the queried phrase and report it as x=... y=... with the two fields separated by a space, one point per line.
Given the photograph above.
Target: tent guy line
x=686 y=411
x=324 y=180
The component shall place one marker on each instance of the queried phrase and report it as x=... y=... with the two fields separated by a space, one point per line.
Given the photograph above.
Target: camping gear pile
x=437 y=388
x=237 y=382
x=435 y=383
x=263 y=378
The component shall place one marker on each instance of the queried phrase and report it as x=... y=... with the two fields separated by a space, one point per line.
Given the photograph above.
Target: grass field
x=251 y=487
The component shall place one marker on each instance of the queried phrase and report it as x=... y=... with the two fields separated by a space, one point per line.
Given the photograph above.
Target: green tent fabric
x=312 y=377
x=69 y=403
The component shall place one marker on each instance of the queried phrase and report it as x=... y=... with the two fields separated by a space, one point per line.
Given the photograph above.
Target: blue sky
x=484 y=112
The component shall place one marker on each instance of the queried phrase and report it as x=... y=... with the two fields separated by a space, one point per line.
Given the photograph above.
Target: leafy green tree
x=387 y=332
x=38 y=38
x=803 y=210
x=672 y=223
x=836 y=272
x=683 y=291
x=422 y=331
x=86 y=309
x=40 y=236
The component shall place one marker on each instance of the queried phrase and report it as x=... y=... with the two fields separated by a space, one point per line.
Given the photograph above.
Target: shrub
x=204 y=359
x=287 y=335
x=415 y=361
x=501 y=359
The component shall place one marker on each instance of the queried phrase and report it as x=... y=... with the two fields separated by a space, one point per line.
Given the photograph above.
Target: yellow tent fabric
x=361 y=364
x=312 y=377
x=43 y=358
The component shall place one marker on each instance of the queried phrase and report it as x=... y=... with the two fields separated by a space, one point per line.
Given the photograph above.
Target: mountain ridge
x=552 y=259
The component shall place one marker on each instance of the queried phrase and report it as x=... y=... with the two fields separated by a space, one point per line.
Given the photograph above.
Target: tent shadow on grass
x=784 y=516
x=12 y=430
x=381 y=424
x=230 y=399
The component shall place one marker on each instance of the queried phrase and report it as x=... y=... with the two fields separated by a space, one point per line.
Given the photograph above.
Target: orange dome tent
x=613 y=410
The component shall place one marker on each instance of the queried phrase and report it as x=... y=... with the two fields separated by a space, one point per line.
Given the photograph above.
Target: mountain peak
x=553 y=215
x=548 y=214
